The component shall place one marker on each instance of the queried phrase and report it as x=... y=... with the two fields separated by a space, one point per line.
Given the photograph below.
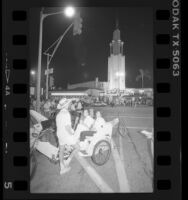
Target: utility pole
x=39 y=61
x=47 y=76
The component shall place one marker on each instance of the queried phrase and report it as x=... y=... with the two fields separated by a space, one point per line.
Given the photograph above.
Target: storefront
x=68 y=94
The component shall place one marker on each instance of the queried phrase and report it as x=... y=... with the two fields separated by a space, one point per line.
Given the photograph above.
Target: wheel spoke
x=101 y=153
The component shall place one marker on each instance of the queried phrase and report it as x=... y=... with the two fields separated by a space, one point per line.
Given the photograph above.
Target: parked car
x=99 y=104
x=149 y=101
x=38 y=124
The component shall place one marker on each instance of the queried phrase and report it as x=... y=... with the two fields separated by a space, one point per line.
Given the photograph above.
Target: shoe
x=64 y=170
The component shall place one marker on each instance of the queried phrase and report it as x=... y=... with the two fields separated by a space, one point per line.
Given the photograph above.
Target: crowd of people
x=47 y=107
x=130 y=100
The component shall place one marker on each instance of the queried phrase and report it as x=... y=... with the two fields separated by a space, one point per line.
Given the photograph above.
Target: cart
x=97 y=146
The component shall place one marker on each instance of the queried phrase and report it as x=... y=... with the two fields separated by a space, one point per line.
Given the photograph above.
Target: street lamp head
x=32 y=72
x=69 y=11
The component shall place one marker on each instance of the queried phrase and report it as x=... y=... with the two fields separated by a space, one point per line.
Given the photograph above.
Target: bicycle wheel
x=101 y=152
x=123 y=130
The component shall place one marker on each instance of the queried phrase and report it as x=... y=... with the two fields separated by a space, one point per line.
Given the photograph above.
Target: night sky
x=83 y=57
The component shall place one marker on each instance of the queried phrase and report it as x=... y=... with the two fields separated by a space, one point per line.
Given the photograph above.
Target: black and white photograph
x=91 y=99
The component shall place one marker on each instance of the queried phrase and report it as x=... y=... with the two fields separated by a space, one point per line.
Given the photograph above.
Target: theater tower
x=116 y=63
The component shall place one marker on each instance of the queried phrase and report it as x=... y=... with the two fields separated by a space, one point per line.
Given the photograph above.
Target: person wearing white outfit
x=88 y=120
x=84 y=124
x=65 y=133
x=99 y=122
x=96 y=127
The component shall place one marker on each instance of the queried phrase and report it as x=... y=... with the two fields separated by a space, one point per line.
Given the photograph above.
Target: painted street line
x=101 y=184
x=121 y=149
x=138 y=127
x=131 y=117
x=134 y=117
x=120 y=170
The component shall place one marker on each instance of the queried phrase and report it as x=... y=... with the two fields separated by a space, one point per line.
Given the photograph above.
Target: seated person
x=73 y=106
x=88 y=120
x=97 y=126
x=79 y=106
x=99 y=122
x=85 y=124
x=91 y=112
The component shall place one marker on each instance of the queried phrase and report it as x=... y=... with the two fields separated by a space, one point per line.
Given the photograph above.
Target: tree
x=143 y=73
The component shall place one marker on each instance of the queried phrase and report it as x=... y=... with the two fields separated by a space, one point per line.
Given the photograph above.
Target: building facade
x=116 y=63
x=95 y=84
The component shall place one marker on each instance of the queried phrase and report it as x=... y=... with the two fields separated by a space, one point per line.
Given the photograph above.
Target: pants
x=83 y=134
x=79 y=129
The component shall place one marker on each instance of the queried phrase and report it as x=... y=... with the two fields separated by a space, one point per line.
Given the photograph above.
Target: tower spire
x=117 y=23
x=117 y=20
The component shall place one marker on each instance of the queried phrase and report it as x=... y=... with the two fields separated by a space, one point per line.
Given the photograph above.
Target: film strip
x=167 y=92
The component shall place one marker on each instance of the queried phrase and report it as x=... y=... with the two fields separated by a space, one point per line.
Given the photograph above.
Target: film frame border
x=165 y=88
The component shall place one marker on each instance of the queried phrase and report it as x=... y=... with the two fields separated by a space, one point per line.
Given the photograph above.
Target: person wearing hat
x=65 y=133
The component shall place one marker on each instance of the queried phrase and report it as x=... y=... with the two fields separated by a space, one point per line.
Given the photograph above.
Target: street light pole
x=47 y=76
x=39 y=60
x=42 y=16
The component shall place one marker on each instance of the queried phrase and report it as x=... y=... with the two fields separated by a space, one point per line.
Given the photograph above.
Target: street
x=132 y=150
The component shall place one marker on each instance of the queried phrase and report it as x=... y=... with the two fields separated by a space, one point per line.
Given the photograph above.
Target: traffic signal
x=51 y=81
x=77 y=29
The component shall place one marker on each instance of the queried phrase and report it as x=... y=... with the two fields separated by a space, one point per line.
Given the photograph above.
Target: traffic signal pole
x=50 y=56
x=58 y=42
